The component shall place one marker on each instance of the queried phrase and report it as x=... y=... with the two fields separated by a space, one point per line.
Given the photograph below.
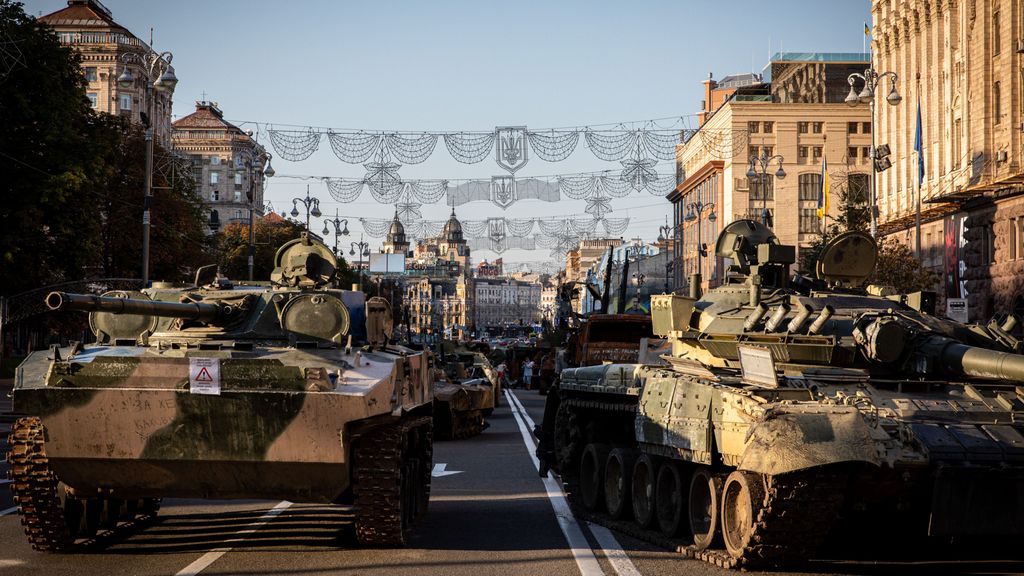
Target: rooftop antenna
x=150 y=36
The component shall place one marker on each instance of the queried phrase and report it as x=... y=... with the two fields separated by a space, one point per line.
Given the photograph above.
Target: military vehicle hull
x=465 y=395
x=214 y=391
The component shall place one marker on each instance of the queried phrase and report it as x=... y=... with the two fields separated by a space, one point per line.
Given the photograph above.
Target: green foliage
x=896 y=265
x=73 y=184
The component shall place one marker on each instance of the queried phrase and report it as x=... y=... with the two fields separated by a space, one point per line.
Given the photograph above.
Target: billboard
x=387 y=263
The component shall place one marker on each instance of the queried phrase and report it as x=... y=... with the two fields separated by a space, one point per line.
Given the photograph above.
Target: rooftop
x=82 y=14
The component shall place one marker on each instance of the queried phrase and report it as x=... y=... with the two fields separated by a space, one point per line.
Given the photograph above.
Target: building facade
x=89 y=27
x=438 y=285
x=802 y=118
x=962 y=60
x=505 y=301
x=228 y=165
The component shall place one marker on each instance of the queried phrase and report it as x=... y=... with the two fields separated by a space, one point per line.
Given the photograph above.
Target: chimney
x=705 y=105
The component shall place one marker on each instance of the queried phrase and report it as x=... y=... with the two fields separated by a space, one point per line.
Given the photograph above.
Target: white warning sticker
x=204 y=376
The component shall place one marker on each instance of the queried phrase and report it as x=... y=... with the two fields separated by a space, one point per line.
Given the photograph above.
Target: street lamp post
x=364 y=250
x=311 y=204
x=337 y=225
x=663 y=235
x=268 y=172
x=159 y=78
x=871 y=78
x=696 y=214
x=759 y=169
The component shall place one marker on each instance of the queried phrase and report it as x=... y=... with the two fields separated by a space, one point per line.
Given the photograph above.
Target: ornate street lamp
x=871 y=79
x=312 y=206
x=696 y=214
x=362 y=249
x=759 y=169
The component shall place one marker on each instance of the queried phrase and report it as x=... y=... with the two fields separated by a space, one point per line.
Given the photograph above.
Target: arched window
x=214 y=218
x=810 y=185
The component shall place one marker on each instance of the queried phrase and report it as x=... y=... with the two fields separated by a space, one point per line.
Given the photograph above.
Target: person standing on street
x=528 y=374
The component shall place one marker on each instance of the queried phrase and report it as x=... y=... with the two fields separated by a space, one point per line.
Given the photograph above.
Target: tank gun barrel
x=201 y=311
x=983 y=363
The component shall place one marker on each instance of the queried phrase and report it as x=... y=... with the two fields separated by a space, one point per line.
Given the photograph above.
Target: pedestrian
x=501 y=374
x=528 y=374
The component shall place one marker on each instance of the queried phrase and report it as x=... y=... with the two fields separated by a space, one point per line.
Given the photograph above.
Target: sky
x=470 y=65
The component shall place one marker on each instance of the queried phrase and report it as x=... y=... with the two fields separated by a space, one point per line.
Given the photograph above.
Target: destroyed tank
x=465 y=394
x=789 y=408
x=224 y=391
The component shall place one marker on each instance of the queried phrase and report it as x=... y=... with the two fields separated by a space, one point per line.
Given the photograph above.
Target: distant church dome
x=396 y=234
x=453 y=229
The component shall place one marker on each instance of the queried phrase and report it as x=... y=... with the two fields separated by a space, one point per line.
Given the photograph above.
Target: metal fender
x=795 y=440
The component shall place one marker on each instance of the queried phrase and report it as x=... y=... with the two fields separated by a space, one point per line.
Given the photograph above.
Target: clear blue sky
x=471 y=65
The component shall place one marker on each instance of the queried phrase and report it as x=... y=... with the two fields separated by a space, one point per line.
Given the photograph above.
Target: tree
x=896 y=265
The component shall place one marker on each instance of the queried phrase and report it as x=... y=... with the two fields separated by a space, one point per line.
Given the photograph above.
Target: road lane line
x=585 y=559
x=618 y=558
x=210 y=557
x=8 y=511
x=2 y=482
x=613 y=550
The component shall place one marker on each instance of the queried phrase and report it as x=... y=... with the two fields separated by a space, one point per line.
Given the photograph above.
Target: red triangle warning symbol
x=204 y=375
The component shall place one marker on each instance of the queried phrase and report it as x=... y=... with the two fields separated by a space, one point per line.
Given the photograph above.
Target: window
x=752 y=151
x=810 y=186
x=851 y=127
x=768 y=127
x=851 y=152
x=90 y=73
x=214 y=218
x=92 y=99
x=865 y=152
x=997 y=104
x=124 y=102
x=996 y=36
x=752 y=127
x=215 y=196
x=809 y=221
x=214 y=177
x=865 y=128
x=238 y=178
x=238 y=214
x=769 y=151
x=238 y=161
x=761 y=188
x=801 y=127
x=215 y=160
x=238 y=195
x=1013 y=238
x=857 y=187
x=817 y=152
x=816 y=127
x=803 y=153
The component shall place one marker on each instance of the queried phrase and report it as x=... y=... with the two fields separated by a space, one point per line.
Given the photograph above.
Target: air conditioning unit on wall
x=1019 y=44
x=1001 y=156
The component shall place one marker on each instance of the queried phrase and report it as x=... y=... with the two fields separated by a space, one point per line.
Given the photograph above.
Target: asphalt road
x=490 y=513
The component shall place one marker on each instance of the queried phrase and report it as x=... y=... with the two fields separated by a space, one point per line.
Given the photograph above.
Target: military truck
x=790 y=405
x=218 y=390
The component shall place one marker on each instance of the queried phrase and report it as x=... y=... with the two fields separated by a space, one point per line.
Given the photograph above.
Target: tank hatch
x=739 y=241
x=316 y=317
x=848 y=259
x=304 y=262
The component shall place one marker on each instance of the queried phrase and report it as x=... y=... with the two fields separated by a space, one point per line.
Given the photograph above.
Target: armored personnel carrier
x=224 y=391
x=790 y=405
x=465 y=394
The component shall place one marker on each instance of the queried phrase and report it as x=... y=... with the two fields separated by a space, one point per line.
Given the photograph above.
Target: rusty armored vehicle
x=216 y=390
x=465 y=394
x=789 y=408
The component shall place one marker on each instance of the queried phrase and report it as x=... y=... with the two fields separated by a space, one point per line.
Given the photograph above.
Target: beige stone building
x=799 y=115
x=504 y=301
x=438 y=286
x=89 y=27
x=963 y=60
x=228 y=164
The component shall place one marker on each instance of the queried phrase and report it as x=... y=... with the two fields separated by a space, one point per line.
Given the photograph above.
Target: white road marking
x=8 y=511
x=613 y=550
x=439 y=471
x=578 y=545
x=618 y=558
x=210 y=557
x=2 y=482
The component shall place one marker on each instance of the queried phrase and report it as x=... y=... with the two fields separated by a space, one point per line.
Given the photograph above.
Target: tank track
x=799 y=509
x=34 y=486
x=464 y=424
x=384 y=514
x=37 y=492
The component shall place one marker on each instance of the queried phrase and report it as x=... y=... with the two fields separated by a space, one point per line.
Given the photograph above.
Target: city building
x=505 y=301
x=961 y=61
x=802 y=117
x=228 y=164
x=487 y=269
x=549 y=302
x=438 y=308
x=396 y=242
x=438 y=285
x=89 y=27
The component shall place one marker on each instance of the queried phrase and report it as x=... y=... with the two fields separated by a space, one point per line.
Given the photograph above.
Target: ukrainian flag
x=823 y=192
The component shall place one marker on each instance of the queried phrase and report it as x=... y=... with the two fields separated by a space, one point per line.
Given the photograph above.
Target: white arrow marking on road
x=439 y=470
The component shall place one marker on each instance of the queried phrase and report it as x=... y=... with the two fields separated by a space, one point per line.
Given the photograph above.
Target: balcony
x=121 y=39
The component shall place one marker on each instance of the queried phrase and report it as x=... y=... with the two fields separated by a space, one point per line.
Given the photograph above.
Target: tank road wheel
x=110 y=513
x=567 y=448
x=425 y=453
x=617 y=481
x=34 y=486
x=705 y=489
x=669 y=498
x=93 y=513
x=642 y=490
x=742 y=500
x=592 y=465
